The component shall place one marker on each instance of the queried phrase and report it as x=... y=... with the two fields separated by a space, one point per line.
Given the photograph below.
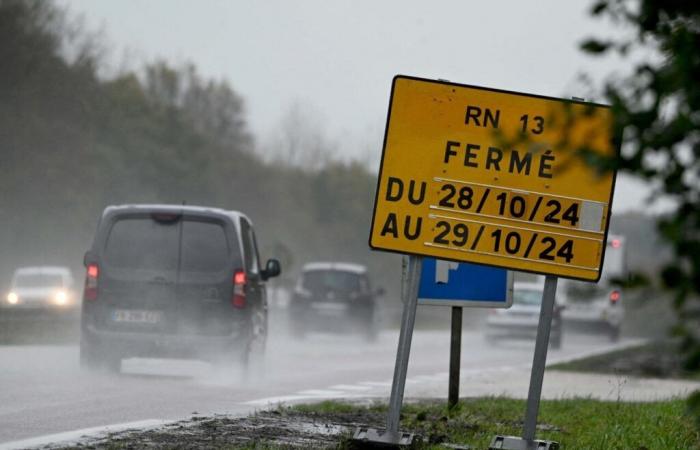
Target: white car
x=599 y=307
x=41 y=287
x=594 y=306
x=522 y=319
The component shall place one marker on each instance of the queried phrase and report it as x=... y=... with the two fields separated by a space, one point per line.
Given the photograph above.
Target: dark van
x=173 y=281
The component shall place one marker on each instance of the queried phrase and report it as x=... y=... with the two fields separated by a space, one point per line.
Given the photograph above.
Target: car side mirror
x=272 y=269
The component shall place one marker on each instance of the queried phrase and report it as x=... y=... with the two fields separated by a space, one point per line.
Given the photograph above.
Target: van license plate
x=136 y=316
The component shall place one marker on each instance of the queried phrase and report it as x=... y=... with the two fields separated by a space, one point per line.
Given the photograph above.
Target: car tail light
x=93 y=272
x=614 y=297
x=616 y=243
x=239 y=284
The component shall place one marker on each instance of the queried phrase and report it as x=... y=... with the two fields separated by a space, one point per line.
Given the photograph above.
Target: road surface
x=43 y=391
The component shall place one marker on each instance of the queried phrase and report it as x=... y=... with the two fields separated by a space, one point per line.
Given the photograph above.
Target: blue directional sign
x=462 y=284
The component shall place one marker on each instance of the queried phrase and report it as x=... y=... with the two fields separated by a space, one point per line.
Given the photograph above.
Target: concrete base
x=517 y=443
x=373 y=438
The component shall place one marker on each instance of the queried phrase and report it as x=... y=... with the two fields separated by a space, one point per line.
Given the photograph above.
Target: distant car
x=173 y=281
x=522 y=319
x=334 y=296
x=42 y=288
x=596 y=307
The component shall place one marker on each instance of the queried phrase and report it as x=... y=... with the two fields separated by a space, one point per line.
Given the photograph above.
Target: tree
x=657 y=111
x=299 y=141
x=211 y=107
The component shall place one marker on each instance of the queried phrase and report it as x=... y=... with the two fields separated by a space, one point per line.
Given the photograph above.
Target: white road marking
x=321 y=393
x=276 y=400
x=375 y=383
x=350 y=387
x=76 y=436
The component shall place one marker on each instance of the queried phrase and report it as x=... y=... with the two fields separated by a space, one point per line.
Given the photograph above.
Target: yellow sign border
x=615 y=143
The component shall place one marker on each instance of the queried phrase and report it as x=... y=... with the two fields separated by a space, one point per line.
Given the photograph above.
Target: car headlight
x=12 y=298
x=60 y=298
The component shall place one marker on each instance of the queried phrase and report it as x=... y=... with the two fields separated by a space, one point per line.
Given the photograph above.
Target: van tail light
x=93 y=273
x=614 y=297
x=239 y=285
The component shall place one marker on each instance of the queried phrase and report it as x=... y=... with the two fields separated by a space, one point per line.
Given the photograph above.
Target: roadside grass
x=581 y=423
x=575 y=424
x=658 y=359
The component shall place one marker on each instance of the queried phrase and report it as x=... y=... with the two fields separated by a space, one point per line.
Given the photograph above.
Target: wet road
x=43 y=391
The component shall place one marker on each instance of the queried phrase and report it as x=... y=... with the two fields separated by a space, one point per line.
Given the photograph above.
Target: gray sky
x=336 y=59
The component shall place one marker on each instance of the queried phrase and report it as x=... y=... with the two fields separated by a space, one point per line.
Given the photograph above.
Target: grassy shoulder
x=659 y=359
x=575 y=424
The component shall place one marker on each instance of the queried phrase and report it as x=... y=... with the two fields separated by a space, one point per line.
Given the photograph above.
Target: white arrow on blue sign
x=450 y=283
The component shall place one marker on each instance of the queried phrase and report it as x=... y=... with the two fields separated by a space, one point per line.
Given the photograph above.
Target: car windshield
x=145 y=243
x=38 y=280
x=527 y=297
x=325 y=280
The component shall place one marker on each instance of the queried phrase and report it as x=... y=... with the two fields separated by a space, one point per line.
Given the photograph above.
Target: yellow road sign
x=494 y=177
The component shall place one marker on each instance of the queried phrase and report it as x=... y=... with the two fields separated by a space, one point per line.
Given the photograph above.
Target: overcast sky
x=336 y=59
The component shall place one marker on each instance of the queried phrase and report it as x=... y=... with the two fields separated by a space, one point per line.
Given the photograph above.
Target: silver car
x=521 y=320
x=42 y=287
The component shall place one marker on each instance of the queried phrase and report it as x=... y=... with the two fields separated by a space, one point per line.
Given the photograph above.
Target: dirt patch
x=281 y=428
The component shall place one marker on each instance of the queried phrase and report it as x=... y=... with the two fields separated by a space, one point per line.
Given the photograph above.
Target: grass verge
x=575 y=424
x=658 y=359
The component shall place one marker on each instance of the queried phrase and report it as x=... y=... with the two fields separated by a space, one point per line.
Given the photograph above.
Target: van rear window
x=204 y=247
x=146 y=243
x=324 y=280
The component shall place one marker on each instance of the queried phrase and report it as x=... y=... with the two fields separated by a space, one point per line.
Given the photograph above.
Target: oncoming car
x=42 y=287
x=334 y=296
x=521 y=320
x=173 y=281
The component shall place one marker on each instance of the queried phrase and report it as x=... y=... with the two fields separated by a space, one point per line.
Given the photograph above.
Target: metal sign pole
x=369 y=437
x=408 y=319
x=540 y=357
x=455 y=354
x=528 y=442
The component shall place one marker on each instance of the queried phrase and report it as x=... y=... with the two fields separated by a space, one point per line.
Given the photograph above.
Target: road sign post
x=534 y=393
x=540 y=357
x=392 y=435
x=455 y=356
x=408 y=319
